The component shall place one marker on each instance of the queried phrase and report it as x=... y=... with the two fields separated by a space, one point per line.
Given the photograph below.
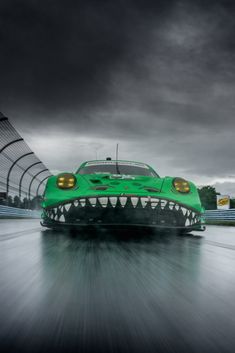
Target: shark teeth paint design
x=113 y=201
x=93 y=201
x=103 y=201
x=67 y=206
x=54 y=213
x=188 y=216
x=134 y=201
x=144 y=201
x=82 y=202
x=154 y=203
x=163 y=204
x=123 y=201
x=187 y=223
x=62 y=219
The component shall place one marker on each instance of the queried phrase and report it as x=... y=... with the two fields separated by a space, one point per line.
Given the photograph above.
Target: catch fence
x=22 y=174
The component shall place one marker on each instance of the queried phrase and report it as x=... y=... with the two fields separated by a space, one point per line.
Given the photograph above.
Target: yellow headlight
x=66 y=181
x=181 y=185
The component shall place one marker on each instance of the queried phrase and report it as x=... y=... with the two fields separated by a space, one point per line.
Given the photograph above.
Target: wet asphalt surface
x=116 y=292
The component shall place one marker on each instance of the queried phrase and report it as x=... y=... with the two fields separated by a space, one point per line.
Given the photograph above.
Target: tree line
x=208 y=197
x=15 y=201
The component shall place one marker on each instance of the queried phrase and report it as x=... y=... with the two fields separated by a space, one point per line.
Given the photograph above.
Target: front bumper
x=122 y=211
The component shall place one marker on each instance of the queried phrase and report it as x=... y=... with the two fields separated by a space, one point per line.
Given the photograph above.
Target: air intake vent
x=152 y=189
x=101 y=187
x=95 y=181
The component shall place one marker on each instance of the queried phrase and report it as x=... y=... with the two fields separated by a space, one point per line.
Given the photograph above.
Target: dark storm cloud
x=60 y=52
x=155 y=75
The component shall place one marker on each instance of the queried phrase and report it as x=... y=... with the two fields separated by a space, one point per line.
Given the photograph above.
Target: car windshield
x=117 y=168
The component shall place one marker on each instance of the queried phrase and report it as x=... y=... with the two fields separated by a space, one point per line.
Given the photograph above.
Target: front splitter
x=56 y=225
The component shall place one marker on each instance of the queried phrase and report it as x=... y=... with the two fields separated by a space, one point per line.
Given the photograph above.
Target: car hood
x=122 y=183
x=98 y=185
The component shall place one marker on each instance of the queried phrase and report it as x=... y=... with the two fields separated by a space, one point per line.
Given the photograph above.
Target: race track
x=116 y=292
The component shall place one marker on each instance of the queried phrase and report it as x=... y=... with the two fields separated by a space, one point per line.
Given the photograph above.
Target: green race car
x=121 y=193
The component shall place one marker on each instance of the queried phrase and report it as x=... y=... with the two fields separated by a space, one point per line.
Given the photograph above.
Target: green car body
x=103 y=195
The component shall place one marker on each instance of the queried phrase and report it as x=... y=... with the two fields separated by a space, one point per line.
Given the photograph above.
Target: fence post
x=9 y=172
x=22 y=176
x=41 y=184
x=33 y=180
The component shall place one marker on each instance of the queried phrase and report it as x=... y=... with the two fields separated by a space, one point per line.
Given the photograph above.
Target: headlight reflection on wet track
x=116 y=292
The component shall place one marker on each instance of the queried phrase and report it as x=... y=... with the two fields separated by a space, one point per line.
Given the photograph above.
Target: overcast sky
x=157 y=77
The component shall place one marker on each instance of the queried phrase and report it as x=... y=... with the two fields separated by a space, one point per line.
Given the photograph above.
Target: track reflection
x=117 y=292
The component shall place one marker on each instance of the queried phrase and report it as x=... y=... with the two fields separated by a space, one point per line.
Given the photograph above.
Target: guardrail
x=13 y=212
x=6 y=211
x=220 y=215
